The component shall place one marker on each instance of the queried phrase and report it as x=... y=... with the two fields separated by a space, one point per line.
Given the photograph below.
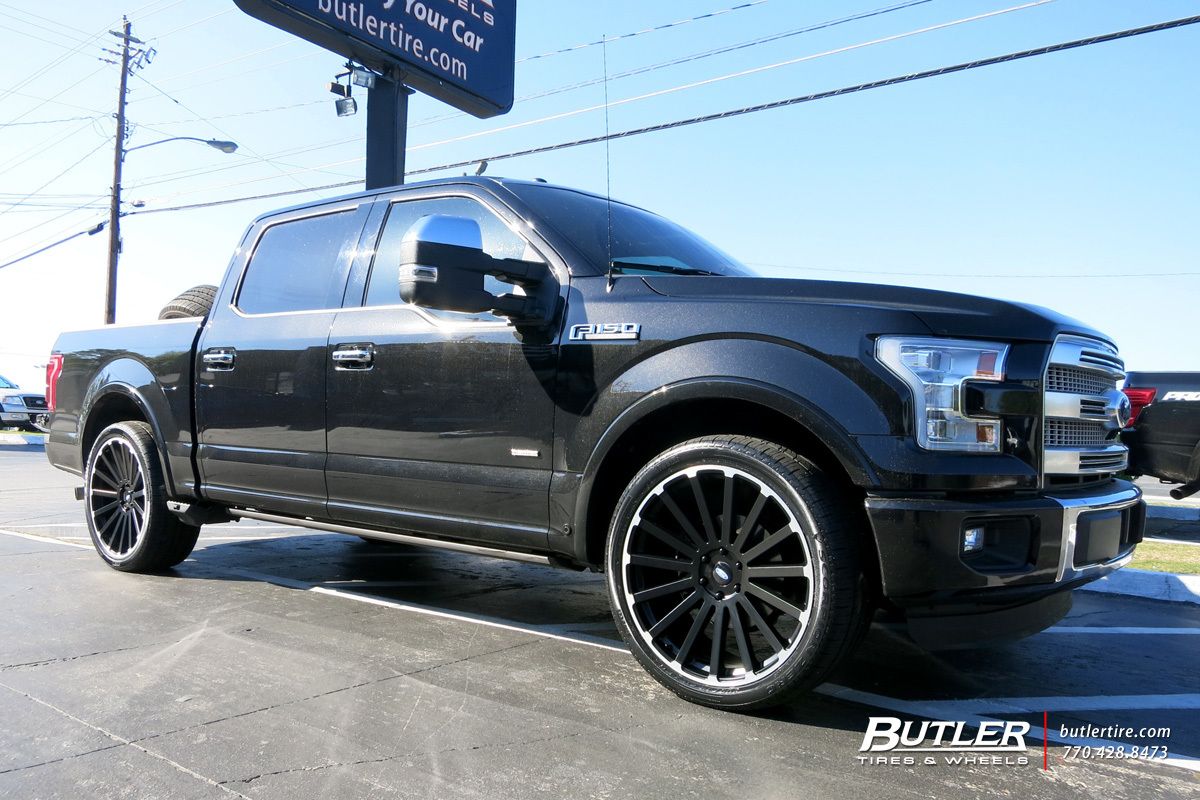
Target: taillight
x=53 y=373
x=1139 y=399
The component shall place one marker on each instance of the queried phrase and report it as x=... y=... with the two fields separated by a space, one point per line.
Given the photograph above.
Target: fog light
x=972 y=540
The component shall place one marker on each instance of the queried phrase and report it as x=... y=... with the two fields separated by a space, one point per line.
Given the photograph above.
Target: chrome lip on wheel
x=116 y=499
x=718 y=576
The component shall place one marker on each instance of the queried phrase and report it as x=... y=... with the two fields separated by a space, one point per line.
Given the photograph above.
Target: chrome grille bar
x=1083 y=409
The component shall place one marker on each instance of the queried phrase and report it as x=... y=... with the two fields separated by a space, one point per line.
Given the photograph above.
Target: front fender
x=807 y=388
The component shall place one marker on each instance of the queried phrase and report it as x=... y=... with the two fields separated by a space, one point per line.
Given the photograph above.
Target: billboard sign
x=459 y=51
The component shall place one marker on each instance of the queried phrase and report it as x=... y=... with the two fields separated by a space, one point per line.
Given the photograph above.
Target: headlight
x=935 y=370
x=11 y=399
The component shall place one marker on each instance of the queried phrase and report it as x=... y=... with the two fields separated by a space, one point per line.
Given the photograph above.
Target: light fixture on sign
x=345 y=104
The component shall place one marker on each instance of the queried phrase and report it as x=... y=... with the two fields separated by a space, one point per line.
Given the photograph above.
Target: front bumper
x=1034 y=546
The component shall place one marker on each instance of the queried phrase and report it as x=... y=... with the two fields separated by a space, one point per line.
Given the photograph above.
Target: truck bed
x=149 y=366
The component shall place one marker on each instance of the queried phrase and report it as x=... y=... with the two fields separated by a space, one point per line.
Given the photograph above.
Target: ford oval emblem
x=1124 y=410
x=722 y=573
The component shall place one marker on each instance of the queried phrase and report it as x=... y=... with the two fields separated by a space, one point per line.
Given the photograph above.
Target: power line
x=726 y=49
x=229 y=61
x=237 y=113
x=1162 y=26
x=43 y=70
x=963 y=275
x=217 y=128
x=659 y=93
x=56 y=23
x=641 y=32
x=190 y=24
x=90 y=232
x=50 y=121
x=52 y=180
x=741 y=74
x=693 y=57
x=214 y=203
x=916 y=76
x=239 y=75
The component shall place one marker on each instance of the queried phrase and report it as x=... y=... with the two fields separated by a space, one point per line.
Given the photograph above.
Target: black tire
x=734 y=574
x=126 y=501
x=195 y=302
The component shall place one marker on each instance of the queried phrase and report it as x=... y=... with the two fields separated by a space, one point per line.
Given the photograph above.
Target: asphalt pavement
x=281 y=663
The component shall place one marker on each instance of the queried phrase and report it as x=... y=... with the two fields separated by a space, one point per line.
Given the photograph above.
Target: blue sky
x=1068 y=180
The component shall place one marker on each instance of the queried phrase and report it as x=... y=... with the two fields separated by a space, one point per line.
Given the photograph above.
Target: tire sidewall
x=771 y=471
x=123 y=431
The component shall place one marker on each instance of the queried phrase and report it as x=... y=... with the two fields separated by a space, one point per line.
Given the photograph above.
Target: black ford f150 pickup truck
x=531 y=371
x=1164 y=430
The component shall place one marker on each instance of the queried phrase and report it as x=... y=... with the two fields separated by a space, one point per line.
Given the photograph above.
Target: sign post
x=387 y=132
x=458 y=51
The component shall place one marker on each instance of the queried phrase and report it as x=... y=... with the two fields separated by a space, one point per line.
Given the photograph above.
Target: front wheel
x=733 y=572
x=131 y=526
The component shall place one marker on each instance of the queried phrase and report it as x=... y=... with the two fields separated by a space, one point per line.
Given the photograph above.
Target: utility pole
x=114 y=216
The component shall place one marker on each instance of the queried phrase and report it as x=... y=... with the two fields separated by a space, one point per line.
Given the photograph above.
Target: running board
x=400 y=538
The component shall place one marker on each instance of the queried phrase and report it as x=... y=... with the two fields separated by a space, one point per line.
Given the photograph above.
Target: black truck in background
x=1164 y=429
x=539 y=373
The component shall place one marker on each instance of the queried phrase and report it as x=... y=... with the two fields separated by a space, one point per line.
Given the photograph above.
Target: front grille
x=1103 y=461
x=35 y=402
x=1077 y=433
x=1080 y=435
x=1074 y=380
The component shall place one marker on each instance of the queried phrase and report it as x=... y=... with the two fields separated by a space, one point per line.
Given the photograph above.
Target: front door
x=439 y=422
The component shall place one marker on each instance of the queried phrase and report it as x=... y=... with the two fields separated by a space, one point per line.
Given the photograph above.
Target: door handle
x=354 y=357
x=218 y=360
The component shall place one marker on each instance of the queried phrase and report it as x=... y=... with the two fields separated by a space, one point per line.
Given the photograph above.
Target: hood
x=944 y=313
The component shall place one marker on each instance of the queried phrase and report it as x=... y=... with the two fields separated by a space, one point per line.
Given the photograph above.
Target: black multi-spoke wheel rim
x=116 y=495
x=718 y=576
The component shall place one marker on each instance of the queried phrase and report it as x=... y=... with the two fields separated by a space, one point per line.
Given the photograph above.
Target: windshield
x=640 y=243
x=6 y=384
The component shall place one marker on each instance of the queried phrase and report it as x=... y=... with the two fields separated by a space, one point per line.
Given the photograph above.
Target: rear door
x=260 y=388
x=440 y=422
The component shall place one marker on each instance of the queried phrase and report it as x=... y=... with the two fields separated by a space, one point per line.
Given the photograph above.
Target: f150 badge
x=606 y=331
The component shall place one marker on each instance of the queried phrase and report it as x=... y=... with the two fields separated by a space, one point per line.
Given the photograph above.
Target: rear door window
x=298 y=264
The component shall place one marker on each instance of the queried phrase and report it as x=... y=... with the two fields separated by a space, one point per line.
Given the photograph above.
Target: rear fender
x=127 y=381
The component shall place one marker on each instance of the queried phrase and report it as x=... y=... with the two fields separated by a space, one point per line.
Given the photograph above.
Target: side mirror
x=442 y=266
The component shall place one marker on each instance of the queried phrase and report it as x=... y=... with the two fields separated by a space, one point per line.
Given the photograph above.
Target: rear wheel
x=127 y=514
x=733 y=572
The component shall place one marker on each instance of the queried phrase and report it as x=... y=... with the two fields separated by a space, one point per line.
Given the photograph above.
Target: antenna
x=607 y=165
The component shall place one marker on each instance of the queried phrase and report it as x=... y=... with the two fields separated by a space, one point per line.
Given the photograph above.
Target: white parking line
x=491 y=622
x=1125 y=631
x=44 y=539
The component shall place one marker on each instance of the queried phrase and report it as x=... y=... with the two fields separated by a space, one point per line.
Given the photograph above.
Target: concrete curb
x=9 y=437
x=1181 y=513
x=1147 y=583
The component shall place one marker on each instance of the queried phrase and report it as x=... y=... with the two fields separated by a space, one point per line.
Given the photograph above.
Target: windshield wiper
x=636 y=267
